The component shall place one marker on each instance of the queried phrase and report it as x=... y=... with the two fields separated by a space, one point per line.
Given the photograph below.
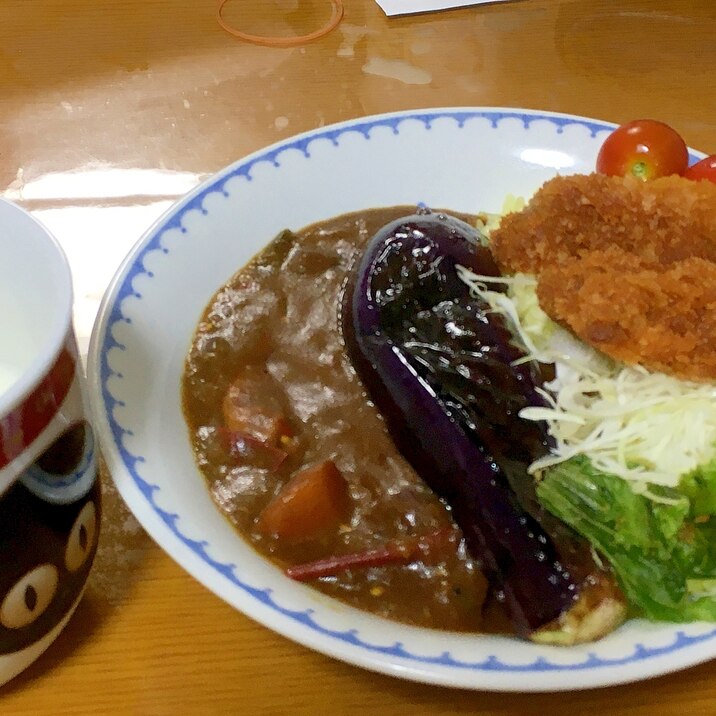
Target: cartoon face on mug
x=48 y=550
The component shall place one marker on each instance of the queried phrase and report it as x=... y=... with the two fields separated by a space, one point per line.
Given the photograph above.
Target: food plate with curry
x=332 y=384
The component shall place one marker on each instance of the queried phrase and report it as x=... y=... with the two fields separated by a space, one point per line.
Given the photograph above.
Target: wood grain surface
x=112 y=109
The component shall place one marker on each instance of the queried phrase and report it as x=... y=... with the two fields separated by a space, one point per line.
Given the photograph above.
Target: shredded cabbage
x=645 y=427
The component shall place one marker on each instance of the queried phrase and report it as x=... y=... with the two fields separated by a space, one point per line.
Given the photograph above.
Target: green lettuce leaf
x=662 y=553
x=700 y=487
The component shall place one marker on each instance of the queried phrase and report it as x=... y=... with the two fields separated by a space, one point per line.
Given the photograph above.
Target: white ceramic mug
x=49 y=492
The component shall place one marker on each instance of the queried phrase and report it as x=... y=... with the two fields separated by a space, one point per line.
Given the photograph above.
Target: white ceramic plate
x=467 y=159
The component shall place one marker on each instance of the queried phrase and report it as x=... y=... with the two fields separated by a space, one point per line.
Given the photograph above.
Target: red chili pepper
x=402 y=551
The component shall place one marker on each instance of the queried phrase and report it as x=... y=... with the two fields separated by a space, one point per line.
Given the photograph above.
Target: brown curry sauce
x=276 y=325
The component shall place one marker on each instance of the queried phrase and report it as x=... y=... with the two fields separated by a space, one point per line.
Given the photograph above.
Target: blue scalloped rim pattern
x=131 y=462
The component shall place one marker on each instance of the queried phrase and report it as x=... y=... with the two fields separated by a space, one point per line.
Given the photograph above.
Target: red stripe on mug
x=19 y=428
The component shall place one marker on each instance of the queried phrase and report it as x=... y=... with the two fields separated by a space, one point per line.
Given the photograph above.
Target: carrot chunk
x=248 y=450
x=249 y=408
x=313 y=503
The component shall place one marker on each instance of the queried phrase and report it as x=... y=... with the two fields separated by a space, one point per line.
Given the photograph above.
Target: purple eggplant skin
x=437 y=364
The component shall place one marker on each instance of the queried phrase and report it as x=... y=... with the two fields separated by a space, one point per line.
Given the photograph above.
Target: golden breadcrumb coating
x=628 y=266
x=661 y=318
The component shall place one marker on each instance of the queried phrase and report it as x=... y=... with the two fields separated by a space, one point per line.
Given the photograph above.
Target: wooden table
x=111 y=109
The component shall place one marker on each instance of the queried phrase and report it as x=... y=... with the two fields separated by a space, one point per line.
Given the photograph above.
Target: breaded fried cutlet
x=661 y=318
x=663 y=220
x=628 y=266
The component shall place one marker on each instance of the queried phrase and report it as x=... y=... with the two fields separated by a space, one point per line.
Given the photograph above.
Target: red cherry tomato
x=705 y=169
x=644 y=148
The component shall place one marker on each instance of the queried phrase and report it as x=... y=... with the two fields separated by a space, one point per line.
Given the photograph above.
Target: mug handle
x=65 y=470
x=35 y=436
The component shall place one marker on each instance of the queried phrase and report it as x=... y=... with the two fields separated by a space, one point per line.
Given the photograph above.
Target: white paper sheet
x=407 y=7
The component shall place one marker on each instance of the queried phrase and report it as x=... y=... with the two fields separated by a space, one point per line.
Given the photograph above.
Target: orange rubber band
x=267 y=41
